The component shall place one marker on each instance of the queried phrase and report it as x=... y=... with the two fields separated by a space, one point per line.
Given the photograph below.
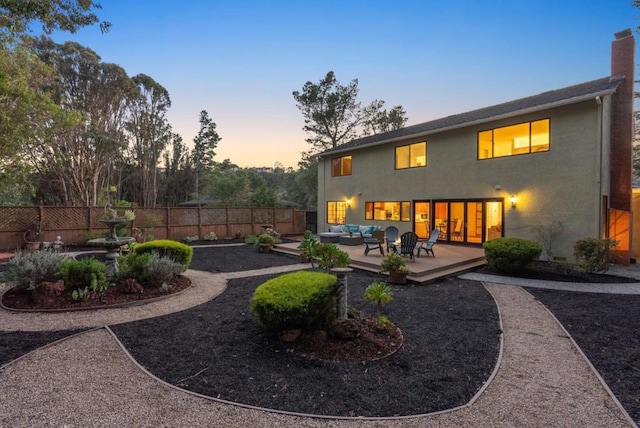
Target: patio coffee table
x=350 y=240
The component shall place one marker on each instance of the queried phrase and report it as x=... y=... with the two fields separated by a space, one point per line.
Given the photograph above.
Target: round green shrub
x=176 y=251
x=83 y=273
x=304 y=300
x=510 y=254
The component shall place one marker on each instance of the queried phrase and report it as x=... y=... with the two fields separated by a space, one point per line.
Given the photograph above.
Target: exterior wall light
x=513 y=201
x=346 y=201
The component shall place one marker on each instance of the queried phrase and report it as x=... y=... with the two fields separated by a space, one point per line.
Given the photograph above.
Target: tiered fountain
x=111 y=243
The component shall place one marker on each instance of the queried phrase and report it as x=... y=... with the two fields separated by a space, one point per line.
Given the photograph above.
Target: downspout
x=601 y=233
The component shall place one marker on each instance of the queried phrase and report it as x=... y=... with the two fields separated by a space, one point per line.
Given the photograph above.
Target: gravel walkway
x=87 y=380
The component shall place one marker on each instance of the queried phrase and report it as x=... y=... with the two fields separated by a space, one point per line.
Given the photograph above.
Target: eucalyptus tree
x=94 y=97
x=150 y=133
x=66 y=15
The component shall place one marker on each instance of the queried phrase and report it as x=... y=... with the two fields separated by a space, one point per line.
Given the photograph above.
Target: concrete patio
x=448 y=260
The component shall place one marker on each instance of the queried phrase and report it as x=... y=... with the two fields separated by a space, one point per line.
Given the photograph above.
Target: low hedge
x=304 y=300
x=511 y=254
x=176 y=251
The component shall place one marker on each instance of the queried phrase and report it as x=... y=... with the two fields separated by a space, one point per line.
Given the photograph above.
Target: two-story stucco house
x=554 y=167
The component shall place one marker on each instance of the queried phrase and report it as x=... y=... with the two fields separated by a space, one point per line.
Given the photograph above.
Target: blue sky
x=241 y=59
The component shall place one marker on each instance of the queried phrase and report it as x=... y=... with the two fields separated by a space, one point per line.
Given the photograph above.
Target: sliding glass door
x=460 y=221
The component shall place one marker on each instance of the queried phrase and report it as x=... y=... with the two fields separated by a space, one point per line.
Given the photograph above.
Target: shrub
x=329 y=256
x=394 y=262
x=134 y=266
x=211 y=236
x=78 y=274
x=308 y=244
x=265 y=239
x=26 y=271
x=304 y=300
x=160 y=270
x=510 y=254
x=176 y=251
x=594 y=255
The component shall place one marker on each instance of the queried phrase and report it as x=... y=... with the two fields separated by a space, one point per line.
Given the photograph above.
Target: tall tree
x=178 y=174
x=333 y=115
x=150 y=133
x=80 y=157
x=64 y=15
x=385 y=121
x=204 y=145
x=26 y=108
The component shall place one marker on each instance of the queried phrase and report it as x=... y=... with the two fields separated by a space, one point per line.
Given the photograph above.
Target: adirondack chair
x=408 y=242
x=374 y=243
x=391 y=236
x=427 y=245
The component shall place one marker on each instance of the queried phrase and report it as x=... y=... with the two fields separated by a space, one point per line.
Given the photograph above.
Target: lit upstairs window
x=411 y=156
x=341 y=166
x=523 y=138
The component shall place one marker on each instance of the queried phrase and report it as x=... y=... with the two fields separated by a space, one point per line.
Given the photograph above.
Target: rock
x=290 y=336
x=131 y=286
x=345 y=328
x=46 y=292
x=50 y=289
x=319 y=337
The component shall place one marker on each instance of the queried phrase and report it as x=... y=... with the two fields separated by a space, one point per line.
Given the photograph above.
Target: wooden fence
x=75 y=225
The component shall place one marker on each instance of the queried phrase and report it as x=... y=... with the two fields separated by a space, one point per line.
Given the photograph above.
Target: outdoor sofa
x=338 y=230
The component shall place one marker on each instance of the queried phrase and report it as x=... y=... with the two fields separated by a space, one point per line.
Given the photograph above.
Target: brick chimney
x=622 y=129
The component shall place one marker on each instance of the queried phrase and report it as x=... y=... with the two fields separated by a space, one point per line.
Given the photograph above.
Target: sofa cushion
x=353 y=228
x=335 y=228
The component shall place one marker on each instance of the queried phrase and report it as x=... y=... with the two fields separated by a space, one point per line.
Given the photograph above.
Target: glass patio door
x=470 y=221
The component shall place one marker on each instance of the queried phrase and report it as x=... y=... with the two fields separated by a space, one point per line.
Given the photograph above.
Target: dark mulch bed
x=605 y=326
x=451 y=342
x=14 y=344
x=549 y=272
x=237 y=258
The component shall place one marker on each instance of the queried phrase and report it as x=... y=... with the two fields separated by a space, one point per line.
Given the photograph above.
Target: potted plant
x=33 y=233
x=265 y=242
x=307 y=247
x=397 y=267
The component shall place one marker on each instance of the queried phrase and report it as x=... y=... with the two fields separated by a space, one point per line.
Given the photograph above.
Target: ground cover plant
x=605 y=326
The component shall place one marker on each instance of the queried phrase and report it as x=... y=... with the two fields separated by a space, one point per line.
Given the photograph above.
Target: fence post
x=168 y=227
x=226 y=220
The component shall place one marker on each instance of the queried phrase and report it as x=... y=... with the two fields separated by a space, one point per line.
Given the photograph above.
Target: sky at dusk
x=240 y=60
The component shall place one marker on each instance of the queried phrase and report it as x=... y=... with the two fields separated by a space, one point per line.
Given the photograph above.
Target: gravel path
x=87 y=380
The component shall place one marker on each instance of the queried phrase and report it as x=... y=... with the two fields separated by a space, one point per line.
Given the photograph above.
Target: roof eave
x=514 y=113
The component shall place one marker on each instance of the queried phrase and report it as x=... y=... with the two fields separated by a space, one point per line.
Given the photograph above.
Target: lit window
x=523 y=138
x=341 y=166
x=411 y=156
x=336 y=212
x=393 y=211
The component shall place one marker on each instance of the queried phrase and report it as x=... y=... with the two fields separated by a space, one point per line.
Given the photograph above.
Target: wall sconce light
x=513 y=201
x=346 y=201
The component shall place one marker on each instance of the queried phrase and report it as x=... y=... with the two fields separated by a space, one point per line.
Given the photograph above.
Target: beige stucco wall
x=562 y=186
